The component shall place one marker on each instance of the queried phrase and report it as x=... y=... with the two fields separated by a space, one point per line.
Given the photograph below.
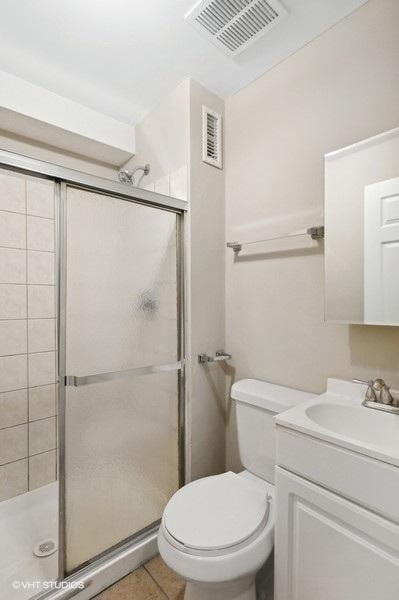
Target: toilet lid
x=216 y=512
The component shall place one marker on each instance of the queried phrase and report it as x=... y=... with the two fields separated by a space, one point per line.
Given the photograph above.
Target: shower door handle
x=78 y=380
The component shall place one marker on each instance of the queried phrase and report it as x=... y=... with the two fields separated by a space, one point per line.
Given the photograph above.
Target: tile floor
x=153 y=581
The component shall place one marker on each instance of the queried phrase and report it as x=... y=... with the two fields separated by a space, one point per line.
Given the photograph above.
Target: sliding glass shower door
x=121 y=329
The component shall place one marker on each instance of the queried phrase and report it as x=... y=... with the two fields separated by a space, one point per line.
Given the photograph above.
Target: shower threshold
x=108 y=569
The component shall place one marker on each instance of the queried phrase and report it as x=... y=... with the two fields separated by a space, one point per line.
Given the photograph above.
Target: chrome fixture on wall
x=126 y=176
x=316 y=233
x=220 y=356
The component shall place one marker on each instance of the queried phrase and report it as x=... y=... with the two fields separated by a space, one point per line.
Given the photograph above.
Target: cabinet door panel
x=328 y=548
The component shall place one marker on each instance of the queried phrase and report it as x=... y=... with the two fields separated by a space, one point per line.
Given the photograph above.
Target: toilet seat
x=216 y=515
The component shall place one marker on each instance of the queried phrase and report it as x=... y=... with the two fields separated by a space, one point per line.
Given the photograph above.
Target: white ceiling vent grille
x=235 y=24
x=211 y=137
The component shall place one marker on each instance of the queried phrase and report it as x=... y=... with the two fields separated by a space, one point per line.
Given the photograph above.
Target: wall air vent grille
x=233 y=25
x=211 y=137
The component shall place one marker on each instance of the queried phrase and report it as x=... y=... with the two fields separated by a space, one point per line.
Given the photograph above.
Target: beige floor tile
x=136 y=586
x=168 y=581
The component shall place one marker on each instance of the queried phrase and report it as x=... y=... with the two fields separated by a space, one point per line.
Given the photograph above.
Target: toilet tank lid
x=268 y=396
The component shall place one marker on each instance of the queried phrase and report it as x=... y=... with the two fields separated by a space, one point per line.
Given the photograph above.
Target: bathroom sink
x=339 y=417
x=356 y=422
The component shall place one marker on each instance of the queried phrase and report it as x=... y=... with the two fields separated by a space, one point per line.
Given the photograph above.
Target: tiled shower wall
x=28 y=376
x=173 y=184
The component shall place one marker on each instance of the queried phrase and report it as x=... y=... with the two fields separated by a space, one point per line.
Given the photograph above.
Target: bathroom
x=184 y=306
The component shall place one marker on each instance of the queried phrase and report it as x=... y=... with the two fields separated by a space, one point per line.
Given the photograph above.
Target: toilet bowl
x=217 y=532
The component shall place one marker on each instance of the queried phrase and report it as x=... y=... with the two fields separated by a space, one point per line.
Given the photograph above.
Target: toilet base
x=240 y=589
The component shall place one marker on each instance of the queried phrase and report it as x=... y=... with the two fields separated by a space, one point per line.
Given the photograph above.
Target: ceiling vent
x=211 y=137
x=233 y=25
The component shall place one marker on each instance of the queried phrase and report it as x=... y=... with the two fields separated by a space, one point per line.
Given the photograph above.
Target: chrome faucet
x=378 y=395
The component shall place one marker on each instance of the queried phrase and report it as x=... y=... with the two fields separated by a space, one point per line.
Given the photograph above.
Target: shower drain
x=45 y=548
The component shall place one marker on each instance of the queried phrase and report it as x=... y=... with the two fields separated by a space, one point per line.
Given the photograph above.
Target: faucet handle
x=383 y=391
x=385 y=395
x=370 y=395
x=378 y=391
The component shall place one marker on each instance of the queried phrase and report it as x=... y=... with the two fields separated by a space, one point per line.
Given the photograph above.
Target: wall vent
x=233 y=25
x=211 y=137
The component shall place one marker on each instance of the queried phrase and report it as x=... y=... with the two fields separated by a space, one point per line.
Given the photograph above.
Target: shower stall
x=92 y=394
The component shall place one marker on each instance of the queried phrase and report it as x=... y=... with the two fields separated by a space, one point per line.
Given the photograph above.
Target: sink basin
x=339 y=417
x=356 y=422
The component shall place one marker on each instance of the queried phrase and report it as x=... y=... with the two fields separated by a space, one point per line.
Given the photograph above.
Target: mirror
x=362 y=232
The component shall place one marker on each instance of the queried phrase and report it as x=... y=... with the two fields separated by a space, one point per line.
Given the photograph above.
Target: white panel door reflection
x=381 y=252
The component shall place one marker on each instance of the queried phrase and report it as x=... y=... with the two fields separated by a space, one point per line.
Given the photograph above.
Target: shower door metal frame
x=66 y=379
x=64 y=178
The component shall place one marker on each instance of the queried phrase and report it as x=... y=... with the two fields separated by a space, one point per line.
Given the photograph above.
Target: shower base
x=25 y=521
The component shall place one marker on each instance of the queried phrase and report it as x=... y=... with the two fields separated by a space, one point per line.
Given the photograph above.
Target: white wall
x=339 y=89
x=207 y=200
x=27 y=109
x=27 y=147
x=162 y=140
x=169 y=138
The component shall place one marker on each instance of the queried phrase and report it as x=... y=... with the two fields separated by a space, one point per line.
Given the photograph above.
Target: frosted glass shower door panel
x=121 y=284
x=121 y=460
x=121 y=434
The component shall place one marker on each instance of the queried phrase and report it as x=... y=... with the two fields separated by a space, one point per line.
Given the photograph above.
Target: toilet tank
x=257 y=403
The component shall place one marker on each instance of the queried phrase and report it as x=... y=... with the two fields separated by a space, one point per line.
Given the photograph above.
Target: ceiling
x=120 y=56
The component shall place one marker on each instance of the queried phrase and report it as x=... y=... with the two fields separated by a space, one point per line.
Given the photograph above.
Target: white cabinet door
x=328 y=548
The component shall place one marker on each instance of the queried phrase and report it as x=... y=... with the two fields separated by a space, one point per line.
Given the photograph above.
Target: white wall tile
x=41 y=335
x=12 y=192
x=40 y=198
x=41 y=301
x=13 y=443
x=13 y=337
x=13 y=373
x=12 y=301
x=42 y=402
x=12 y=266
x=13 y=479
x=42 y=469
x=40 y=234
x=13 y=408
x=162 y=185
x=42 y=436
x=41 y=368
x=12 y=230
x=150 y=187
x=18 y=196
x=41 y=267
x=179 y=183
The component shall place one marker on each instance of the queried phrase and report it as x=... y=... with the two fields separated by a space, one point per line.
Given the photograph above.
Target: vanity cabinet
x=329 y=548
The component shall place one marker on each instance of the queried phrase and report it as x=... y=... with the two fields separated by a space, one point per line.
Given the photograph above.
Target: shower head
x=126 y=176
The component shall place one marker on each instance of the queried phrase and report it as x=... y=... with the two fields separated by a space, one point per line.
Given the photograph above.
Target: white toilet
x=218 y=531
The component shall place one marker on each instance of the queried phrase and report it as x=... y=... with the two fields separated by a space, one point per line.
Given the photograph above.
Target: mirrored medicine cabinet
x=362 y=232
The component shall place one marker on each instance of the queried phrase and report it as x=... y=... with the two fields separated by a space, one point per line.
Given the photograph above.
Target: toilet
x=218 y=531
